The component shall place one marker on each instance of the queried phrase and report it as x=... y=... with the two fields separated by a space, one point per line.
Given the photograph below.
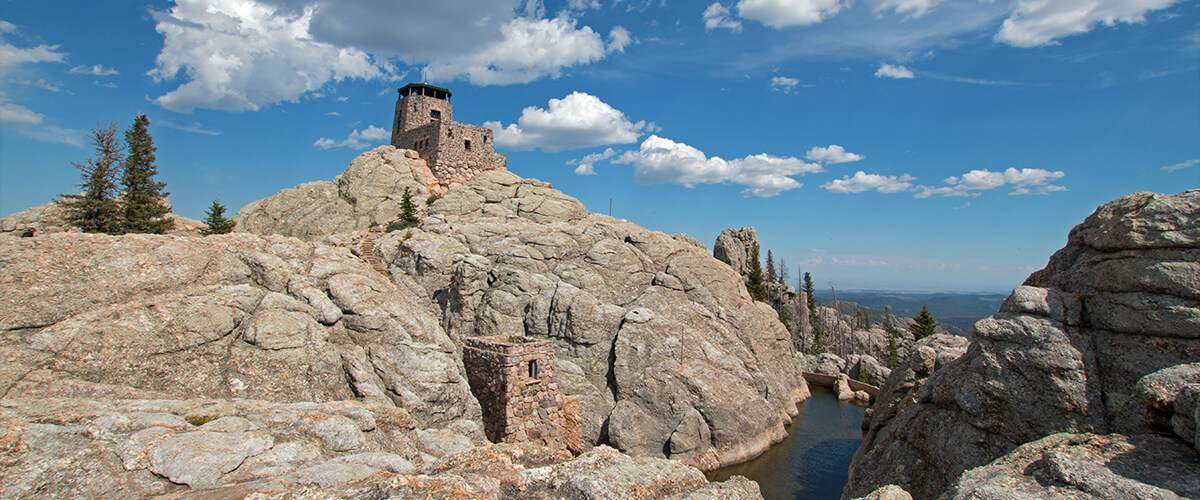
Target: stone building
x=455 y=152
x=513 y=379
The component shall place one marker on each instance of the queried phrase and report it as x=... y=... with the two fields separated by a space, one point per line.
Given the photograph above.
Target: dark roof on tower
x=426 y=89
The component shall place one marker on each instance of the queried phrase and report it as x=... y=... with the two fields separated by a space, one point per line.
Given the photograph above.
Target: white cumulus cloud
x=659 y=159
x=1021 y=181
x=717 y=16
x=862 y=182
x=618 y=39
x=788 y=13
x=530 y=49
x=586 y=165
x=241 y=55
x=897 y=71
x=1033 y=23
x=832 y=154
x=358 y=139
x=784 y=84
x=579 y=120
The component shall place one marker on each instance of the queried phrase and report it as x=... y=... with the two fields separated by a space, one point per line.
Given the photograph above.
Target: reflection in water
x=814 y=459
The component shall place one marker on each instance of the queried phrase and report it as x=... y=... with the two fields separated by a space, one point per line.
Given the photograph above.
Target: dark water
x=812 y=462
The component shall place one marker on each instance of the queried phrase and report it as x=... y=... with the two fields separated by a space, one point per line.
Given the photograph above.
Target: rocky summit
x=311 y=353
x=1084 y=385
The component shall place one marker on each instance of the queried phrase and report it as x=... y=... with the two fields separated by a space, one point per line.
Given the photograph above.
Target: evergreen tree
x=772 y=276
x=96 y=210
x=890 y=328
x=142 y=200
x=819 y=344
x=755 y=285
x=408 y=213
x=923 y=324
x=216 y=221
x=783 y=272
x=808 y=293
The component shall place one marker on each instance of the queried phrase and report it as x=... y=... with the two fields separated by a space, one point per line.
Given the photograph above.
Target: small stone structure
x=455 y=152
x=513 y=379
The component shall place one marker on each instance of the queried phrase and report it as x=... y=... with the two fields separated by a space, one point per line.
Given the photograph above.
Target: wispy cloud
x=55 y=134
x=933 y=75
x=1162 y=73
x=193 y=128
x=94 y=70
x=1183 y=165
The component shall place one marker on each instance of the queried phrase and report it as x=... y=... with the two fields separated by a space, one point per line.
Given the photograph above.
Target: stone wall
x=453 y=164
x=513 y=379
x=414 y=112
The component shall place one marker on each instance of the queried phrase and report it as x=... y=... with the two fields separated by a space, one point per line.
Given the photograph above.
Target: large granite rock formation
x=242 y=365
x=367 y=194
x=231 y=316
x=1068 y=353
x=659 y=343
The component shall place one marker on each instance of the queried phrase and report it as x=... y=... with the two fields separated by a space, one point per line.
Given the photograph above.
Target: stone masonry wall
x=454 y=164
x=517 y=406
x=414 y=112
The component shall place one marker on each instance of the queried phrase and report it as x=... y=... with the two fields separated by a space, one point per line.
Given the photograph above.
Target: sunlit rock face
x=1079 y=348
x=331 y=362
x=658 y=342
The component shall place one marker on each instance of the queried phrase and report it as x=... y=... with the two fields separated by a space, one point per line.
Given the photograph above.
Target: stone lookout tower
x=455 y=152
x=512 y=377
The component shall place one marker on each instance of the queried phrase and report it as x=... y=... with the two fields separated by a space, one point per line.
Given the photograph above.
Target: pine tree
x=890 y=328
x=924 y=324
x=408 y=213
x=142 y=200
x=783 y=272
x=772 y=276
x=755 y=285
x=216 y=221
x=808 y=293
x=818 y=329
x=96 y=210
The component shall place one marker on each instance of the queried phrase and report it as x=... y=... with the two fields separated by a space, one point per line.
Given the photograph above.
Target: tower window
x=533 y=369
x=435 y=114
x=467 y=144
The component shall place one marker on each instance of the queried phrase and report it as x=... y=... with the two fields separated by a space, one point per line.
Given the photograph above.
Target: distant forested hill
x=957 y=311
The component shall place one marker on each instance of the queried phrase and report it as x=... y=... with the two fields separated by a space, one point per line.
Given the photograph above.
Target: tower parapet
x=455 y=152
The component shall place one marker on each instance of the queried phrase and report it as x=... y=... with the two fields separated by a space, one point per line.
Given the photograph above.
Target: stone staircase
x=366 y=250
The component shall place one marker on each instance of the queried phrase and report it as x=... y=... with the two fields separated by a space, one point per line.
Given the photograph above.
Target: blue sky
x=983 y=130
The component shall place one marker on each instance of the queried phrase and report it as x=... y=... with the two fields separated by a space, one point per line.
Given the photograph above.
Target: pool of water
x=812 y=463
